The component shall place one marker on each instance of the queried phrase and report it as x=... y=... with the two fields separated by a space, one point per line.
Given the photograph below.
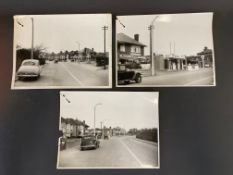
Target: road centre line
x=132 y=154
x=72 y=75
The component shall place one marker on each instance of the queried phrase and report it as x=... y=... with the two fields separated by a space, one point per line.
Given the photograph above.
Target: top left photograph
x=62 y=51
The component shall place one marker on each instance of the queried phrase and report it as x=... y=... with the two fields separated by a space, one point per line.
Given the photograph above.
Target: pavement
x=199 y=77
x=68 y=74
x=116 y=152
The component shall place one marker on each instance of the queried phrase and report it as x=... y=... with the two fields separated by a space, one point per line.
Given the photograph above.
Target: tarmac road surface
x=117 y=152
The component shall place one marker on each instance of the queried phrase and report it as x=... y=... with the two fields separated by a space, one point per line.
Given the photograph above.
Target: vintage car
x=89 y=142
x=126 y=75
x=30 y=68
x=55 y=60
x=63 y=141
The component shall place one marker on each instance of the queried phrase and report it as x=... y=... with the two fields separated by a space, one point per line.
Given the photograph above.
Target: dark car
x=63 y=143
x=126 y=75
x=89 y=142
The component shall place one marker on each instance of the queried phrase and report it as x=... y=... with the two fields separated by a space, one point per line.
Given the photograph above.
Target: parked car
x=63 y=141
x=30 y=68
x=126 y=75
x=89 y=142
x=99 y=136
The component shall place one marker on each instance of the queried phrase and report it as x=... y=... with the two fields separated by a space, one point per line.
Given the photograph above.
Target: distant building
x=129 y=48
x=173 y=62
x=206 y=57
x=117 y=131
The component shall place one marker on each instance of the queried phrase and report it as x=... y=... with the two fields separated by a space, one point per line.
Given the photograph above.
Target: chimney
x=136 y=37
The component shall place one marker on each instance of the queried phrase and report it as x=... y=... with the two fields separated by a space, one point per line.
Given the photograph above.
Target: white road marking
x=72 y=75
x=199 y=80
x=132 y=154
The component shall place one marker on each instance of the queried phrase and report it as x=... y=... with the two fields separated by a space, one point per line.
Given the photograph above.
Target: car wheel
x=138 y=78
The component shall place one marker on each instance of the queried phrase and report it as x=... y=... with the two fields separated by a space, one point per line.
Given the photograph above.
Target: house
x=129 y=48
x=73 y=127
x=206 y=57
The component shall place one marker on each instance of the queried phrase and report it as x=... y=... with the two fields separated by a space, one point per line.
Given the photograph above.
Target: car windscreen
x=88 y=138
x=122 y=67
x=29 y=63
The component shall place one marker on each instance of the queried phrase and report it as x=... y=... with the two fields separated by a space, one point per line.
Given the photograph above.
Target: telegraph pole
x=105 y=28
x=150 y=28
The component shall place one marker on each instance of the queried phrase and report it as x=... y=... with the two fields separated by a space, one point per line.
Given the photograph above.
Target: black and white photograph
x=165 y=50
x=62 y=51
x=108 y=130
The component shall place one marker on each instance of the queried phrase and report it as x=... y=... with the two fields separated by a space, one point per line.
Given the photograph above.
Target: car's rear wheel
x=138 y=78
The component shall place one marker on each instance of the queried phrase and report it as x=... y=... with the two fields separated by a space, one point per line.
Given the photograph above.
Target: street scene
x=119 y=151
x=75 y=55
x=101 y=133
x=165 y=50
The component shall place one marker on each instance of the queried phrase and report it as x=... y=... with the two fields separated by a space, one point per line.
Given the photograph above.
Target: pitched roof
x=123 y=38
x=73 y=122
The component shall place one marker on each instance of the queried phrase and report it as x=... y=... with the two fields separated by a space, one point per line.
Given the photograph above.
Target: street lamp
x=32 y=47
x=97 y=104
x=151 y=28
x=78 y=45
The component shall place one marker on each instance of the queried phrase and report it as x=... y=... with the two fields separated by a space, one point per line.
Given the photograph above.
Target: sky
x=190 y=32
x=123 y=109
x=64 y=32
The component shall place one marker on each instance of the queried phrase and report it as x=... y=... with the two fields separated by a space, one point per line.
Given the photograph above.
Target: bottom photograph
x=108 y=130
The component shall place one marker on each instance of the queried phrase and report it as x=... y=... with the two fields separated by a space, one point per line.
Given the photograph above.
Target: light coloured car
x=30 y=68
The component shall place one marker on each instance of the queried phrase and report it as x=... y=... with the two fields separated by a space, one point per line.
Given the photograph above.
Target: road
x=117 y=152
x=68 y=74
x=183 y=78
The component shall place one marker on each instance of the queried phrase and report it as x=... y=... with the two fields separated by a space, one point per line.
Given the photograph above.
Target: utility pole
x=101 y=127
x=32 y=47
x=105 y=28
x=151 y=28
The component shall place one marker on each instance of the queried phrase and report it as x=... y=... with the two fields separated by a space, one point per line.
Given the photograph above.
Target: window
x=135 y=49
x=122 y=48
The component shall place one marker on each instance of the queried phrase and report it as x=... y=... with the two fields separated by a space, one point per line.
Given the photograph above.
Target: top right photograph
x=165 y=50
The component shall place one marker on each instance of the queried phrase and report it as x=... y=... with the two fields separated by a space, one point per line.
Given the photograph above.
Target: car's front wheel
x=138 y=78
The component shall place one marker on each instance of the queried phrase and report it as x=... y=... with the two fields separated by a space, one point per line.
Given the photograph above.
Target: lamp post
x=97 y=104
x=151 y=28
x=32 y=47
x=78 y=45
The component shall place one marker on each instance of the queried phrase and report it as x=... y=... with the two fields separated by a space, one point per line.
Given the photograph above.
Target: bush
x=23 y=54
x=148 y=134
